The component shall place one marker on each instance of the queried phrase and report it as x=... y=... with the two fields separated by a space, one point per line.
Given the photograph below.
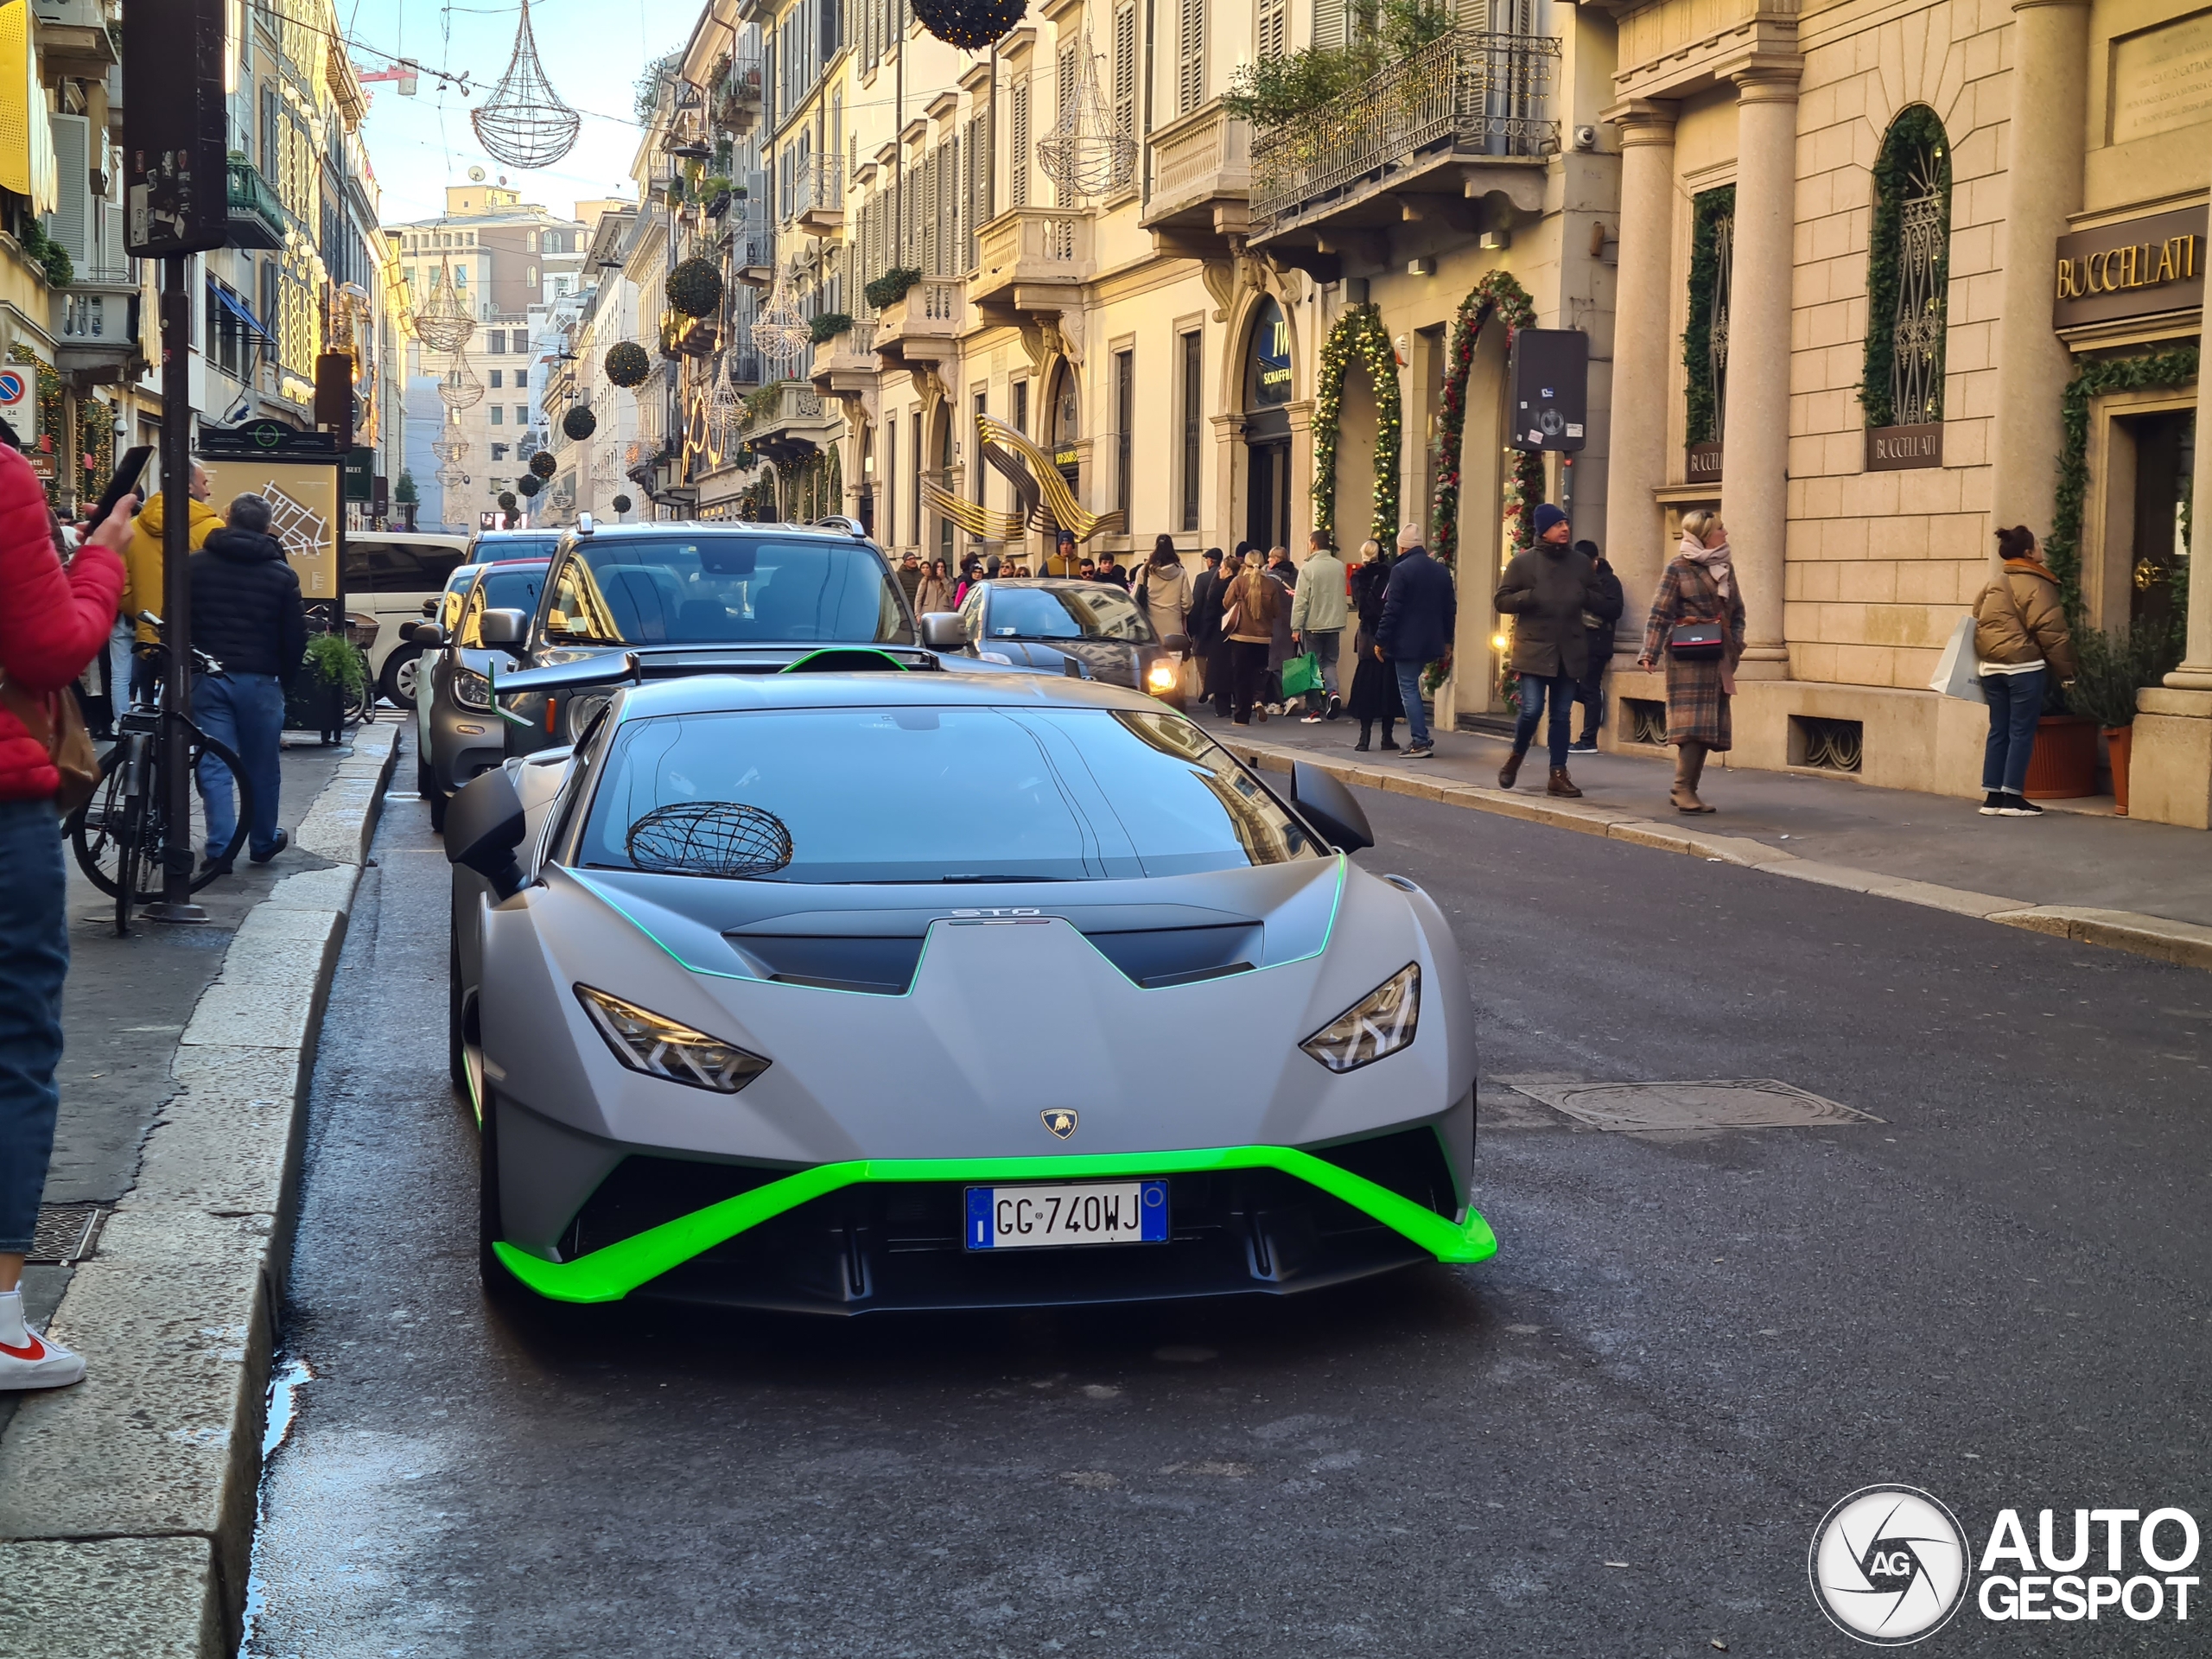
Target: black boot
x=1366 y=730
x=1388 y=741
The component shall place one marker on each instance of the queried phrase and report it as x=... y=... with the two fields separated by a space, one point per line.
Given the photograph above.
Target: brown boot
x=1689 y=766
x=1562 y=785
x=1509 y=771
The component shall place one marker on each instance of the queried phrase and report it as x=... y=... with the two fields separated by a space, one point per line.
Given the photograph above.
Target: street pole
x=176 y=904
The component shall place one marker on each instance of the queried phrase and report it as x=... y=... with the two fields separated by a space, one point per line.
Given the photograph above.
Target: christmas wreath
x=971 y=25
x=627 y=364
x=621 y=504
x=579 y=423
x=529 y=483
x=1497 y=296
x=1359 y=332
x=506 y=501
x=543 y=463
x=694 y=287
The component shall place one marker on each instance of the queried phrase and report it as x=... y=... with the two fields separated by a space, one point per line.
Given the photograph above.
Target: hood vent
x=871 y=966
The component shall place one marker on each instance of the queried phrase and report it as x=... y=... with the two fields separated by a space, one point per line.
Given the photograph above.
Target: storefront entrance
x=2165 y=462
x=1267 y=430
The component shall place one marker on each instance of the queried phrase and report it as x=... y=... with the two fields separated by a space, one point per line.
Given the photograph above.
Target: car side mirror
x=1326 y=804
x=503 y=627
x=428 y=635
x=944 y=631
x=485 y=822
x=1177 y=642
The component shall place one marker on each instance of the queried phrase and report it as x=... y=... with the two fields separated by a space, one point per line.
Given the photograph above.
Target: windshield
x=504 y=589
x=724 y=589
x=931 y=795
x=1086 y=613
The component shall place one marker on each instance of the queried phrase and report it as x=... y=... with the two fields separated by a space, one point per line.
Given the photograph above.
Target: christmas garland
x=579 y=423
x=1917 y=131
x=1708 y=209
x=2153 y=371
x=1497 y=296
x=627 y=364
x=1359 y=331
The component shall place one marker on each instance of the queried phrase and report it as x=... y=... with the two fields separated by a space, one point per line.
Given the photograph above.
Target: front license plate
x=1088 y=1212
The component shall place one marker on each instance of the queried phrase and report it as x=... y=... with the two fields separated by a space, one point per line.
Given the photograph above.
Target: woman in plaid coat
x=1699 y=585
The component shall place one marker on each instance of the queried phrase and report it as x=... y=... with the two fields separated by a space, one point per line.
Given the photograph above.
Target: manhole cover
x=1743 y=1103
x=64 y=1232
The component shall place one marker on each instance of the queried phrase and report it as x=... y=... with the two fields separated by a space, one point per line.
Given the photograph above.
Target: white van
x=390 y=574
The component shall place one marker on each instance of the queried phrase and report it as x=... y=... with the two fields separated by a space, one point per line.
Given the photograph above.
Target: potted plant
x=2115 y=667
x=828 y=325
x=331 y=673
x=890 y=287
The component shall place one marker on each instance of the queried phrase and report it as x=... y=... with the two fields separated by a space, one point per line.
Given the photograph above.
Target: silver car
x=845 y=991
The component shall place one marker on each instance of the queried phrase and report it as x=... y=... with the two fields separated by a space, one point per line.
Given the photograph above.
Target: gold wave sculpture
x=1057 y=499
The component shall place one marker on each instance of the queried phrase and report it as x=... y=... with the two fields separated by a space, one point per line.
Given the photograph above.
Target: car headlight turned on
x=471 y=690
x=1162 y=676
x=651 y=1043
x=1373 y=1028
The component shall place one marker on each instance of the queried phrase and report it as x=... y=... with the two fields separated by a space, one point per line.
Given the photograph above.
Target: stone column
x=2194 y=673
x=1643 y=348
x=1754 y=484
x=2049 y=112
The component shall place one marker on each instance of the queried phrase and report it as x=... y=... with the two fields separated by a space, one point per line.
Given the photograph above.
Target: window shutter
x=1125 y=69
x=71 y=222
x=1064 y=88
x=1328 y=24
x=1190 y=58
x=1017 y=159
x=929 y=266
x=979 y=162
x=1274 y=30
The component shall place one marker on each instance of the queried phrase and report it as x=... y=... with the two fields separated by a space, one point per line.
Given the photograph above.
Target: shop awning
x=230 y=303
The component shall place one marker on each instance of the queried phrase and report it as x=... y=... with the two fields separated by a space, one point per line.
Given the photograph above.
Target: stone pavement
x=2078 y=870
x=126 y=1503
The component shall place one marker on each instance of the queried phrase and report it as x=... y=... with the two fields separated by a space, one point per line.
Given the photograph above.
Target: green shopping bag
x=1301 y=675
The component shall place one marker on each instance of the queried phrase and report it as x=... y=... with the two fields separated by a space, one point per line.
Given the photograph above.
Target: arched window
x=1908 y=273
x=1268 y=367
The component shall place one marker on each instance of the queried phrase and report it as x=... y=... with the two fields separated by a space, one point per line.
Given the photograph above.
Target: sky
x=593 y=52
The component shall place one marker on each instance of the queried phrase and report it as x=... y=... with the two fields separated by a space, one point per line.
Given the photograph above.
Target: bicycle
x=118 y=836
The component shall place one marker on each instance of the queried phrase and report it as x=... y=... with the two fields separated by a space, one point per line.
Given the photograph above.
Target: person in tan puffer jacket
x=2021 y=638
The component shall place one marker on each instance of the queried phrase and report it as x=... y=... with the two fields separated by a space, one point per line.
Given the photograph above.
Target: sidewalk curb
x=127 y=1503
x=2184 y=943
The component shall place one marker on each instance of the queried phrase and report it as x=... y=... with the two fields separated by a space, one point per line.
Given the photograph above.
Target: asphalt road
x=1614 y=1439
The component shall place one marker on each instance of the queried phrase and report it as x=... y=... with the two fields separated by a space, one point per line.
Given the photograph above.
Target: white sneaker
x=38 y=1363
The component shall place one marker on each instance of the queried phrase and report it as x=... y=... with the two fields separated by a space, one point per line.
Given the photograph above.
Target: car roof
x=510 y=564
x=699 y=694
x=1050 y=582
x=689 y=528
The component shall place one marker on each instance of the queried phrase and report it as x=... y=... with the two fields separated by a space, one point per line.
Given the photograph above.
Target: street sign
x=265 y=438
x=174 y=136
x=1549 y=376
x=15 y=387
x=360 y=469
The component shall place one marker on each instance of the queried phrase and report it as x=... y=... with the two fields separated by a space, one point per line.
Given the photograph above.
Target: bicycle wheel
x=99 y=830
x=96 y=829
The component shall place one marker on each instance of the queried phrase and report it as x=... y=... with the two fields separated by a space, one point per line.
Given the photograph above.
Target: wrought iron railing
x=818 y=187
x=1476 y=89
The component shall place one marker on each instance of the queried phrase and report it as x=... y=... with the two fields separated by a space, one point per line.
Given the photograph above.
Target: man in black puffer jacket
x=246 y=614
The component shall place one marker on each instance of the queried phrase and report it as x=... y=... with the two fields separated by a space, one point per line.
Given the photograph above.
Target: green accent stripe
x=611 y=1273
x=798 y=664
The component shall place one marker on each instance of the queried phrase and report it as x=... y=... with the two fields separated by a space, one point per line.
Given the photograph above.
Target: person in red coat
x=54 y=620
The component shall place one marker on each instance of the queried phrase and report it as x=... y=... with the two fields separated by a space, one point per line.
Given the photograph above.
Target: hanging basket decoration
x=529 y=483
x=579 y=423
x=627 y=364
x=971 y=25
x=1086 y=153
x=460 y=389
x=781 y=333
x=620 y=503
x=543 y=463
x=523 y=122
x=507 y=502
x=449 y=448
x=694 y=287
x=442 y=322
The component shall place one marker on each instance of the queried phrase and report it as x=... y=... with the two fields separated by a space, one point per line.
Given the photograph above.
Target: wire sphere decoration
x=723 y=838
x=442 y=322
x=579 y=423
x=543 y=464
x=781 y=333
x=971 y=25
x=523 y=122
x=725 y=410
x=449 y=448
x=627 y=364
x=1087 y=155
x=460 y=389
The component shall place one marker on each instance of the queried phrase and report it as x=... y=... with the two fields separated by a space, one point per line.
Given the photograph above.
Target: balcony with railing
x=1465 y=118
x=258 y=219
x=846 y=363
x=1201 y=181
x=793 y=424
x=1032 y=259
x=818 y=196
x=923 y=325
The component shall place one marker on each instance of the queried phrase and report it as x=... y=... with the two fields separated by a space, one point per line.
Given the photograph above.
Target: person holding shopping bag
x=1697 y=621
x=2020 y=639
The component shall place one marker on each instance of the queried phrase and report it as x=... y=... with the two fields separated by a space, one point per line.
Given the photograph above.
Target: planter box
x=2064 y=767
x=314 y=704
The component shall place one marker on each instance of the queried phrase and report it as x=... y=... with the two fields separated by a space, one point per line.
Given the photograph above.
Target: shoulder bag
x=65 y=739
x=1699 y=642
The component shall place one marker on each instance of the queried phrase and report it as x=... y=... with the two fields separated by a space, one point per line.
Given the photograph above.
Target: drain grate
x=64 y=1233
x=1741 y=1103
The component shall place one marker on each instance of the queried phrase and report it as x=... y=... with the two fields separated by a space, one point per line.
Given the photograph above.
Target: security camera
x=1586 y=137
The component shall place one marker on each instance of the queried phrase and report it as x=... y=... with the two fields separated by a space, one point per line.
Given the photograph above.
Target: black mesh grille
x=1411 y=1163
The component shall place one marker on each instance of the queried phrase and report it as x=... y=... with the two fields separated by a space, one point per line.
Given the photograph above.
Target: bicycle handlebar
x=201 y=659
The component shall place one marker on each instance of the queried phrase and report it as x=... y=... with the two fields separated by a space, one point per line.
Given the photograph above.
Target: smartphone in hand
x=128 y=471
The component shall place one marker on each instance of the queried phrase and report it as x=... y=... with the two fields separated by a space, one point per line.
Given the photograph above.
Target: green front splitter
x=609 y=1274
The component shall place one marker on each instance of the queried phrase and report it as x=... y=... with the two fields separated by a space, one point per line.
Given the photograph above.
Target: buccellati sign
x=2136 y=268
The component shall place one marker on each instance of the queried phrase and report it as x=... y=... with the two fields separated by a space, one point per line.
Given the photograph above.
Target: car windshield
x=732 y=589
x=1075 y=613
x=508 y=544
x=931 y=795
x=514 y=589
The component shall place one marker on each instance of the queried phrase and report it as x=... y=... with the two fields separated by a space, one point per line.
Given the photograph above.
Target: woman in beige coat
x=2021 y=638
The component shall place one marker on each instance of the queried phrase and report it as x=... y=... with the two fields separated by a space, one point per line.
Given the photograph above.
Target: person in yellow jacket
x=142 y=560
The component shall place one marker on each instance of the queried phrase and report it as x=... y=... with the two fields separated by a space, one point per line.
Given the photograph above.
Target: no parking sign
x=14 y=386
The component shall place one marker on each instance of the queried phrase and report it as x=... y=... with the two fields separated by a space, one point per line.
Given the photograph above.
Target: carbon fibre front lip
x=611 y=1273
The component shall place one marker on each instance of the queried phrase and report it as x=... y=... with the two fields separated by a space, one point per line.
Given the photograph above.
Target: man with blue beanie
x=1546 y=590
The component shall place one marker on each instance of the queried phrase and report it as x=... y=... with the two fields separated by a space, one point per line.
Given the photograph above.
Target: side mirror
x=1327 y=805
x=485 y=822
x=944 y=631
x=428 y=635
x=1177 y=642
x=429 y=608
x=503 y=627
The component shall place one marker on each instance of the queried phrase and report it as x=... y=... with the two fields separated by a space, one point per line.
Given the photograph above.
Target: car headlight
x=1377 y=1025
x=471 y=690
x=1161 y=677
x=659 y=1047
x=581 y=711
